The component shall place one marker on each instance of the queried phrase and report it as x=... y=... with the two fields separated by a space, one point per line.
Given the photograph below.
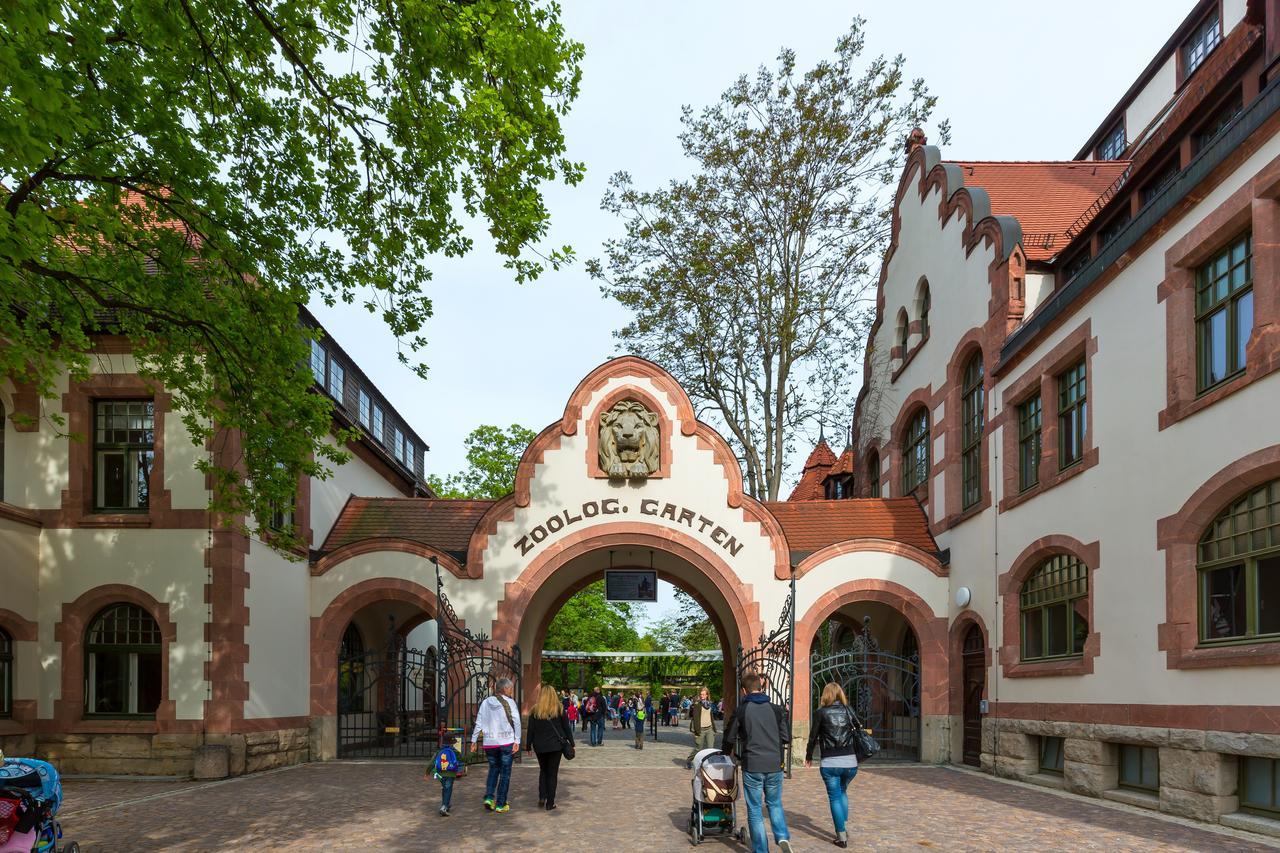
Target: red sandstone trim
x=503 y=510
x=371 y=546
x=627 y=365
x=1043 y=377
x=548 y=439
x=20 y=515
x=1255 y=719
x=883 y=546
x=68 y=711
x=930 y=630
x=927 y=398
x=1252 y=207
x=327 y=630
x=975 y=341
x=18 y=627
x=1178 y=535
x=1010 y=585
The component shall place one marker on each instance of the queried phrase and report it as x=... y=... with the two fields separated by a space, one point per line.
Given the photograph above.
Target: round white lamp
x=963 y=596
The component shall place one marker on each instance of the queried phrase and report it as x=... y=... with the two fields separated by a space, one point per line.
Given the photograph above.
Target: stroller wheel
x=73 y=847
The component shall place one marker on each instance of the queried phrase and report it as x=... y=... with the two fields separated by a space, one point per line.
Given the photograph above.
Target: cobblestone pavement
x=388 y=806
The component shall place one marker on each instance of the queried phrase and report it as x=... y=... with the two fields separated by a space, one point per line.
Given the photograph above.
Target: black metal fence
x=773 y=659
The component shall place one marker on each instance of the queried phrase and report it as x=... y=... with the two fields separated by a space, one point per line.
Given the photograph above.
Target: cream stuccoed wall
x=35 y=463
x=329 y=496
x=1147 y=104
x=166 y=564
x=875 y=565
x=278 y=635
x=1143 y=474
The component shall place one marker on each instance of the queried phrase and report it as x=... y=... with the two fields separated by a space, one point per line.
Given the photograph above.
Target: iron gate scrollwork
x=468 y=668
x=386 y=701
x=883 y=688
x=773 y=659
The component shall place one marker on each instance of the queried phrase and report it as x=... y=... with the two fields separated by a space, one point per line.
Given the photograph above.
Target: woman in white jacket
x=499 y=720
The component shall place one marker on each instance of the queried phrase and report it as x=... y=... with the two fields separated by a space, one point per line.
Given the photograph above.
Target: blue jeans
x=495 y=786
x=446 y=791
x=597 y=731
x=770 y=785
x=837 y=779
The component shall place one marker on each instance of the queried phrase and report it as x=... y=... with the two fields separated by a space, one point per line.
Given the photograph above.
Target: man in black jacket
x=758 y=731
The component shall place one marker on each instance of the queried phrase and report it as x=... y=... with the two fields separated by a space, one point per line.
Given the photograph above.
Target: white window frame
x=378 y=424
x=319 y=358
x=337 y=376
x=365 y=403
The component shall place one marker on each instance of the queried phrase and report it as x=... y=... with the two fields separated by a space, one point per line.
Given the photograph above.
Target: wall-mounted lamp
x=963 y=596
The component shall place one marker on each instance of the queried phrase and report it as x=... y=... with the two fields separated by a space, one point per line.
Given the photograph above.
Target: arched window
x=123 y=666
x=973 y=419
x=1054 y=609
x=922 y=306
x=915 y=451
x=351 y=671
x=1238 y=562
x=903 y=330
x=6 y=674
x=873 y=473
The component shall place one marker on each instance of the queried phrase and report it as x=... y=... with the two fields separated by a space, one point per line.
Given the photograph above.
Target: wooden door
x=975 y=682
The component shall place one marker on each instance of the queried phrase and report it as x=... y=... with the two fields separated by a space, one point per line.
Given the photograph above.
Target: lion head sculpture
x=629 y=441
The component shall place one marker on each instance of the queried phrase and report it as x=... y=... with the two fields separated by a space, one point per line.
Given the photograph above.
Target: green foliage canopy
x=187 y=173
x=492 y=458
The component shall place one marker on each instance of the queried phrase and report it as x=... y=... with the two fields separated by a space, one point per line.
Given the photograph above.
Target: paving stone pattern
x=612 y=797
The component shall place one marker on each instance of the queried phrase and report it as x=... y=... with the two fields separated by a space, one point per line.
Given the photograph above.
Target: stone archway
x=931 y=636
x=718 y=588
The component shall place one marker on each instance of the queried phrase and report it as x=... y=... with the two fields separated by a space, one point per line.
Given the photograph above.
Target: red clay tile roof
x=816 y=468
x=813 y=525
x=446 y=524
x=1046 y=197
x=843 y=465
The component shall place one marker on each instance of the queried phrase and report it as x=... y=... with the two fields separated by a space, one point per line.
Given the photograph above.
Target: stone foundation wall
x=167 y=754
x=1199 y=770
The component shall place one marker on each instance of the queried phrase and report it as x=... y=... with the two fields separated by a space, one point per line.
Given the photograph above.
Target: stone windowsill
x=1044 y=780
x=1130 y=797
x=1252 y=823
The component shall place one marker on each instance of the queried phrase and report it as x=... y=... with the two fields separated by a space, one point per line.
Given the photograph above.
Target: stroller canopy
x=38 y=777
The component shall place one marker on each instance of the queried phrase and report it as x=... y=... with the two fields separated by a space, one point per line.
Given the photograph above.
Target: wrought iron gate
x=883 y=688
x=468 y=668
x=386 y=701
x=772 y=658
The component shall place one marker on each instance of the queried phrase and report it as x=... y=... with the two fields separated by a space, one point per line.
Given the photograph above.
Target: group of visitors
x=756 y=733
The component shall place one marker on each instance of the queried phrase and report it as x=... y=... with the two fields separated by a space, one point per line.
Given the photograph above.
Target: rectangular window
x=1260 y=785
x=1076 y=265
x=1112 y=145
x=1050 y=755
x=1139 y=767
x=1029 y=414
x=365 y=403
x=123 y=453
x=397 y=443
x=1073 y=415
x=1152 y=188
x=318 y=360
x=337 y=378
x=378 y=434
x=1217 y=122
x=1112 y=229
x=1203 y=40
x=1224 y=312
x=1223 y=598
x=873 y=474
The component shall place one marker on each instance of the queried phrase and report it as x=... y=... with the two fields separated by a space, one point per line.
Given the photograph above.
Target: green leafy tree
x=588 y=622
x=187 y=173
x=492 y=458
x=751 y=280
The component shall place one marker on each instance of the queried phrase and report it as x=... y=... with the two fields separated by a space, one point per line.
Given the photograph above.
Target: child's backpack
x=445 y=762
x=640 y=714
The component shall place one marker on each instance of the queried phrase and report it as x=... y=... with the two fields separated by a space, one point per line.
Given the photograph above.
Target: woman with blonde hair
x=832 y=728
x=550 y=736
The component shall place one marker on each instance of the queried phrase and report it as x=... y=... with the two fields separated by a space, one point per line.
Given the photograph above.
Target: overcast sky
x=1018 y=80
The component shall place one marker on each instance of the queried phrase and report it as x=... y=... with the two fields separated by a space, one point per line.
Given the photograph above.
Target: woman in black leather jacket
x=832 y=729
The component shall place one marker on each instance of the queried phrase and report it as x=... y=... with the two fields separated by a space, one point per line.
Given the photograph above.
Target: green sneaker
x=488 y=804
x=502 y=809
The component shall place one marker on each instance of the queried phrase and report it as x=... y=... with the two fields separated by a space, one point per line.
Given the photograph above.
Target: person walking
x=832 y=729
x=653 y=718
x=595 y=706
x=702 y=723
x=499 y=720
x=549 y=733
x=640 y=715
x=757 y=731
x=444 y=768
x=664 y=707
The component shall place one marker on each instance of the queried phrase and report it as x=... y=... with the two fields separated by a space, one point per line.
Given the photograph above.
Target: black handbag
x=566 y=745
x=864 y=745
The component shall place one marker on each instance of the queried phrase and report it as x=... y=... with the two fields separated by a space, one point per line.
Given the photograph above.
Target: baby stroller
x=30 y=796
x=715 y=797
